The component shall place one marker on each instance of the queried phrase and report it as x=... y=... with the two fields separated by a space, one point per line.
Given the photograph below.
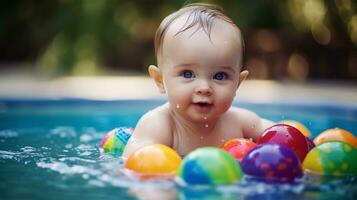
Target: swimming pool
x=49 y=150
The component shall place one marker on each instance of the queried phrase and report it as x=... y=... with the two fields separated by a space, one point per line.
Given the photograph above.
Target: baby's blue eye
x=187 y=74
x=220 y=76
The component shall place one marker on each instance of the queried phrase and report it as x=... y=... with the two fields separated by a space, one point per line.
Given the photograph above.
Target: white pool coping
x=142 y=87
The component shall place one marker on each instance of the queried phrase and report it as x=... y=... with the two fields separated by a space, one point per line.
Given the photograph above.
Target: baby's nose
x=204 y=89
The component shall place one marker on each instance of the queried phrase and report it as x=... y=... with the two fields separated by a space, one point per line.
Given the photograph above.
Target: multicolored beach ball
x=209 y=165
x=113 y=143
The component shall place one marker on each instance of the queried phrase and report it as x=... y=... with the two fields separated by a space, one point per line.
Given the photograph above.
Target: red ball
x=286 y=135
x=238 y=147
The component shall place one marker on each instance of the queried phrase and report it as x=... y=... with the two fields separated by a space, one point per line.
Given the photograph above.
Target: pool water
x=49 y=150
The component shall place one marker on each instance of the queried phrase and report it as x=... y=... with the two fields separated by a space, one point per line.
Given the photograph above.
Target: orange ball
x=154 y=160
x=336 y=134
x=298 y=126
x=238 y=147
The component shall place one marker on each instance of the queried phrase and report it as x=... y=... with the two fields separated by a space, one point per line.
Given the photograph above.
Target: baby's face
x=200 y=75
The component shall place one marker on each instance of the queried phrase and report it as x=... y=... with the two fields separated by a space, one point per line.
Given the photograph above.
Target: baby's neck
x=197 y=128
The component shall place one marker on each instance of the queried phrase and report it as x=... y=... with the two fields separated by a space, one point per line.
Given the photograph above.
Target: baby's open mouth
x=203 y=106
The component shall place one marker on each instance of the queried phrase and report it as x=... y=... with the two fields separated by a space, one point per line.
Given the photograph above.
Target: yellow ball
x=334 y=158
x=336 y=134
x=154 y=160
x=298 y=126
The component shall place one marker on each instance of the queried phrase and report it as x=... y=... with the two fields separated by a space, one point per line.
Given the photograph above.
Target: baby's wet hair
x=200 y=14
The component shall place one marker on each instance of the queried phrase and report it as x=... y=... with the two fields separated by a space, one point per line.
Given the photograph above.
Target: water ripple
x=8 y=134
x=64 y=131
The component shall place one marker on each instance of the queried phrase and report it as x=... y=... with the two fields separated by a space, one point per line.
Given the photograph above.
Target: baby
x=199 y=53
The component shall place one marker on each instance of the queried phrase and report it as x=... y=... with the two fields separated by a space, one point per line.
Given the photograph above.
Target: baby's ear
x=242 y=76
x=156 y=74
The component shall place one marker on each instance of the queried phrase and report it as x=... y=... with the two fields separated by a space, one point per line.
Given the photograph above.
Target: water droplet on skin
x=206 y=125
x=178 y=106
x=205 y=118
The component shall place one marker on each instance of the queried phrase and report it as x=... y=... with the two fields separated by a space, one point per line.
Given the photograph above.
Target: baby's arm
x=152 y=128
x=253 y=125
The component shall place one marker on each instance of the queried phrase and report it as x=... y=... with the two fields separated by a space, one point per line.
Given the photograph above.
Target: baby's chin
x=202 y=118
x=198 y=113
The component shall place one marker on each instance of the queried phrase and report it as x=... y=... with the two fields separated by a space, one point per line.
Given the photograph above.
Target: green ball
x=332 y=158
x=210 y=165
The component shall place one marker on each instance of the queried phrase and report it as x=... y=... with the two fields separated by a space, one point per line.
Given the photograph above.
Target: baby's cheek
x=177 y=100
x=225 y=101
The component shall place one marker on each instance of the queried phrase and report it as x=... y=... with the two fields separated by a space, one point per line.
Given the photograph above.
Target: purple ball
x=272 y=162
x=310 y=143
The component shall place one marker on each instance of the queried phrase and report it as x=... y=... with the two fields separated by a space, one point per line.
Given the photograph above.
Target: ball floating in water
x=153 y=161
x=301 y=127
x=310 y=144
x=288 y=136
x=238 y=147
x=332 y=158
x=209 y=165
x=336 y=134
x=113 y=143
x=272 y=162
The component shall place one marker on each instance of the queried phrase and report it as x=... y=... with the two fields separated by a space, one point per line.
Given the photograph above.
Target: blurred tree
x=297 y=39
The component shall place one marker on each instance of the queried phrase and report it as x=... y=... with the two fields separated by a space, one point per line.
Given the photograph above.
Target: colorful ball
x=332 y=158
x=154 y=160
x=301 y=127
x=336 y=134
x=310 y=144
x=288 y=136
x=238 y=147
x=272 y=162
x=209 y=165
x=113 y=143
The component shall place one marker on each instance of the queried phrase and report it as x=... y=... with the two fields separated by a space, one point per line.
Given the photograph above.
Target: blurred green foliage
x=298 y=38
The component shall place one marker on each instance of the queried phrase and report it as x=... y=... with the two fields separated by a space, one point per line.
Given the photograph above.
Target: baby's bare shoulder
x=158 y=118
x=241 y=114
x=243 y=118
x=152 y=128
x=251 y=123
